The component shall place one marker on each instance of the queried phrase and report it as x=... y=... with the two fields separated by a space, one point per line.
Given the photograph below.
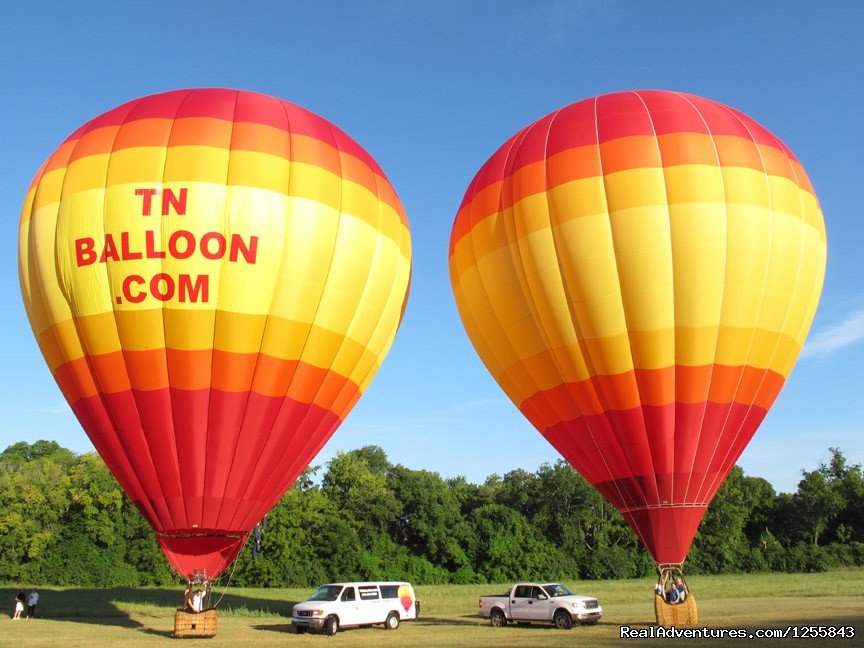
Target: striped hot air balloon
x=213 y=278
x=638 y=271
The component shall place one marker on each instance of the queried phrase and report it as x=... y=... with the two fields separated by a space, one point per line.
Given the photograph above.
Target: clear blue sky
x=431 y=89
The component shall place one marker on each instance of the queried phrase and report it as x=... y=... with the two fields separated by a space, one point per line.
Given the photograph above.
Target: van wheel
x=331 y=626
x=497 y=618
x=392 y=621
x=563 y=620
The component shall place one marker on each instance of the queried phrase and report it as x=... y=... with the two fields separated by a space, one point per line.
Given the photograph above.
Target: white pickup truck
x=541 y=603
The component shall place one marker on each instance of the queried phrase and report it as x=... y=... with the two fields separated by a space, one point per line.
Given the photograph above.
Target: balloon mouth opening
x=200 y=554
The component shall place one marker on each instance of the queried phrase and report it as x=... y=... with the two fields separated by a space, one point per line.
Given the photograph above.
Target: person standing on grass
x=19 y=605
x=32 y=600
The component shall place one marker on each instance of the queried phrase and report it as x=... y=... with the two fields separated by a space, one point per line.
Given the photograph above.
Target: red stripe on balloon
x=592 y=123
x=658 y=455
x=241 y=435
x=675 y=455
x=231 y=105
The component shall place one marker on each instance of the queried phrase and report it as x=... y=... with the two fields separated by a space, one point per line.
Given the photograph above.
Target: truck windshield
x=555 y=589
x=326 y=593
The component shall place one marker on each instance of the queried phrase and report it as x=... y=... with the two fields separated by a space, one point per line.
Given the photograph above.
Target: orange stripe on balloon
x=219 y=133
x=60 y=158
x=201 y=131
x=96 y=142
x=618 y=155
x=637 y=152
x=527 y=181
x=652 y=387
x=573 y=164
x=737 y=152
x=35 y=181
x=75 y=380
x=304 y=150
x=677 y=149
x=801 y=177
x=191 y=370
x=147 y=370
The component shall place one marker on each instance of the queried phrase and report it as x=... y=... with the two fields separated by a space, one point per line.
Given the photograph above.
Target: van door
x=349 y=613
x=390 y=599
x=369 y=605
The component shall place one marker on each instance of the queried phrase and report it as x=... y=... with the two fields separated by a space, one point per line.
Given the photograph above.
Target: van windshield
x=326 y=593
x=556 y=589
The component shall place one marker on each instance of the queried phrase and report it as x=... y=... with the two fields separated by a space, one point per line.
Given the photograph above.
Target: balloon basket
x=678 y=614
x=667 y=612
x=189 y=625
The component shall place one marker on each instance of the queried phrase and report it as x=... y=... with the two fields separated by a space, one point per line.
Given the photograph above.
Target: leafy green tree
x=510 y=548
x=33 y=504
x=291 y=543
x=64 y=520
x=848 y=482
x=818 y=503
x=359 y=489
x=22 y=452
x=720 y=545
x=430 y=524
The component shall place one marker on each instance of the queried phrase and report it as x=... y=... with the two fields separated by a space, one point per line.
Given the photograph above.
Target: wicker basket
x=679 y=614
x=195 y=624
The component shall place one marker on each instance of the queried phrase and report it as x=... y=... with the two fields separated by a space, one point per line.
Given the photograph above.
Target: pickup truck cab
x=341 y=605
x=540 y=603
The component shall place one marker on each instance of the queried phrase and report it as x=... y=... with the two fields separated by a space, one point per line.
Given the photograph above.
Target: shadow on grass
x=464 y=620
x=287 y=628
x=474 y=620
x=157 y=633
x=116 y=605
x=276 y=627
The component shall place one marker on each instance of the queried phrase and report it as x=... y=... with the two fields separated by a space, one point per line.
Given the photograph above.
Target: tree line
x=65 y=521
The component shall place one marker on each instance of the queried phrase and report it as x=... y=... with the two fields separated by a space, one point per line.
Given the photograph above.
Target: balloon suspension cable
x=224 y=591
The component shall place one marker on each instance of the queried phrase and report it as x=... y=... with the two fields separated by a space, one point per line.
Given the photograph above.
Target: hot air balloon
x=213 y=277
x=638 y=271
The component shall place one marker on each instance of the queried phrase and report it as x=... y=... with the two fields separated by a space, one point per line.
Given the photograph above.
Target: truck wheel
x=299 y=630
x=497 y=618
x=331 y=626
x=563 y=620
x=392 y=621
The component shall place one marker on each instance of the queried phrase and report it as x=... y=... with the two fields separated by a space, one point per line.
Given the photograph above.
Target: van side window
x=348 y=594
x=389 y=591
x=368 y=592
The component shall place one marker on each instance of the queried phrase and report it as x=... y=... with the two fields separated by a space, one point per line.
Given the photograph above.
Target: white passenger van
x=340 y=605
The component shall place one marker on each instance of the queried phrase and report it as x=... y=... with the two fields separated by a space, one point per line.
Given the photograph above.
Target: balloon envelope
x=213 y=277
x=639 y=271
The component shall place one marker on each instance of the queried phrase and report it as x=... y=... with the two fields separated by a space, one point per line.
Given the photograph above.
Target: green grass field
x=261 y=617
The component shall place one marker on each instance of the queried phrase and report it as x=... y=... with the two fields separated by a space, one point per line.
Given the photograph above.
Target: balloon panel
x=638 y=272
x=213 y=277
